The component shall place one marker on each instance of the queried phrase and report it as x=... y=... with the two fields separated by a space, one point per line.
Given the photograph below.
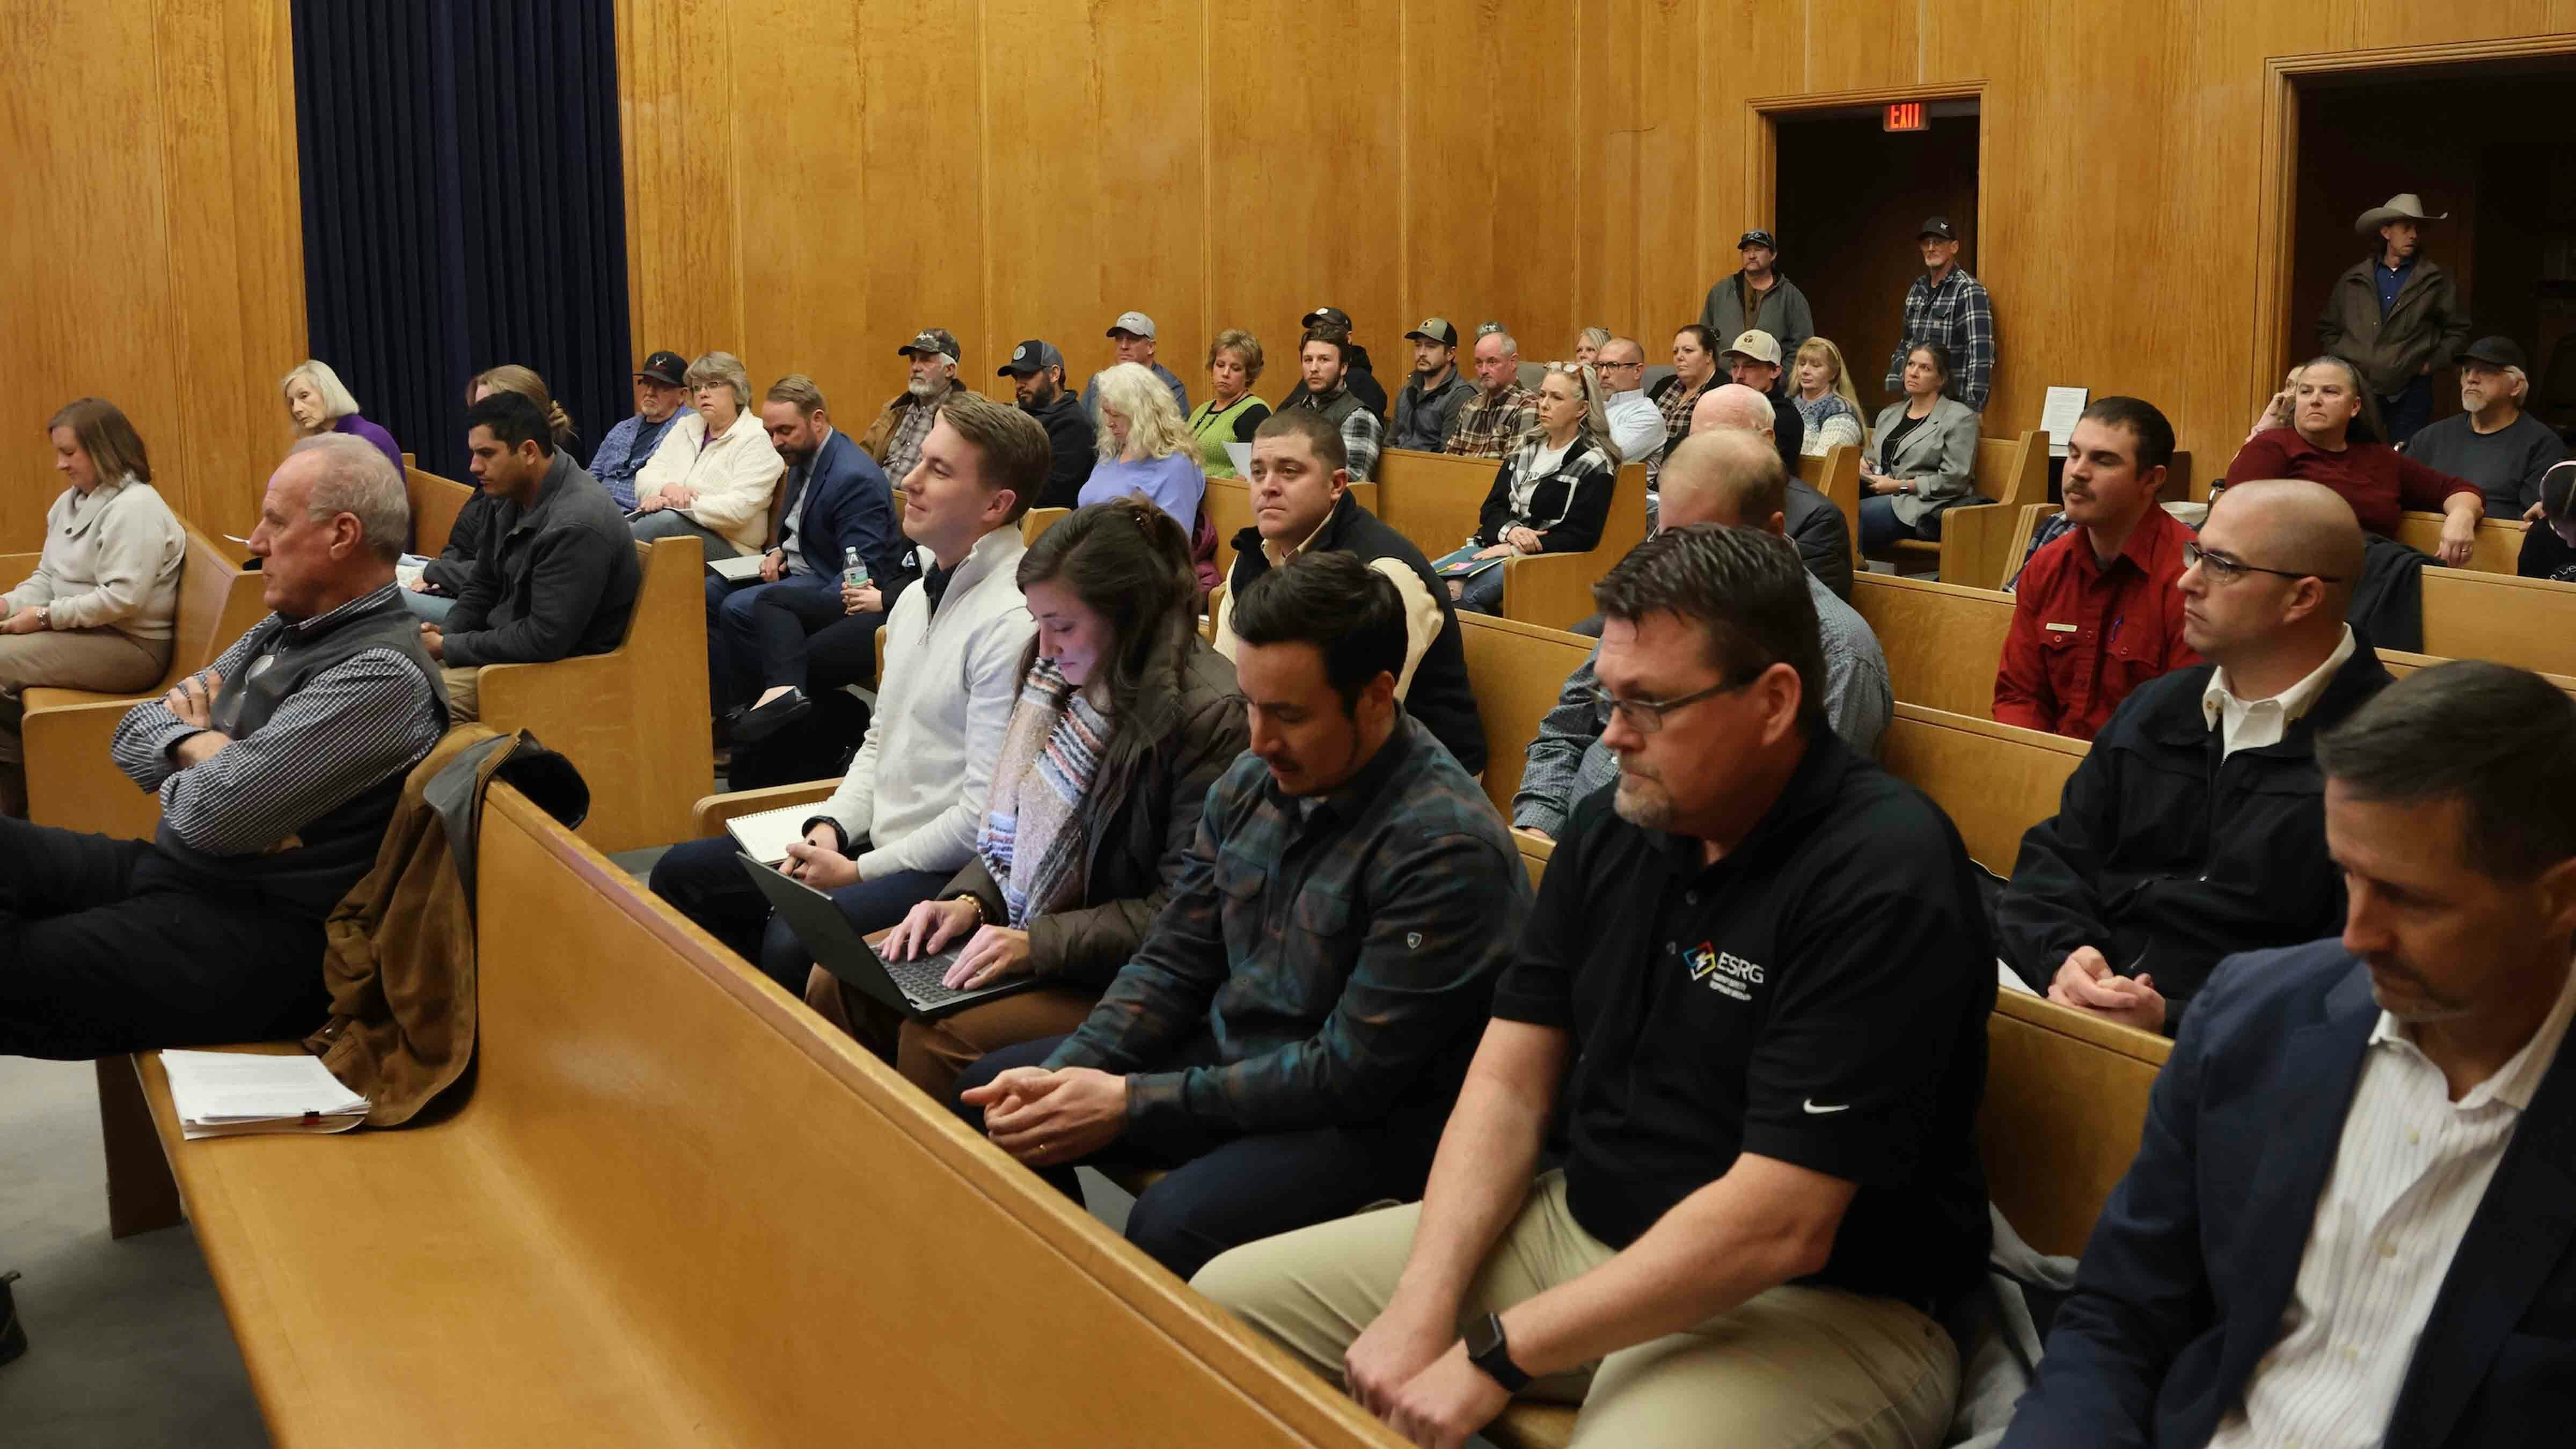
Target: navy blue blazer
x=2184 y=1282
x=846 y=504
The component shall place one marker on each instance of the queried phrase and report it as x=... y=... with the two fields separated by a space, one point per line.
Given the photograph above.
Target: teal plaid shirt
x=1341 y=949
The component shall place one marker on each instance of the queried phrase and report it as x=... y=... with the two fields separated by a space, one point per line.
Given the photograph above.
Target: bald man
x=1815 y=525
x=1727 y=476
x=2195 y=828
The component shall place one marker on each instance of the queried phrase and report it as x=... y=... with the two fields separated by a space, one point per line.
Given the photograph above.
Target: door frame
x=1762 y=158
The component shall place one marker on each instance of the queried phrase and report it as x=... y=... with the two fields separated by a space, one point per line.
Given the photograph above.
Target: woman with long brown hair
x=434 y=593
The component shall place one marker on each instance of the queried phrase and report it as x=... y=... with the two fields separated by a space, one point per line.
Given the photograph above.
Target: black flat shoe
x=13 y=1334
x=754 y=725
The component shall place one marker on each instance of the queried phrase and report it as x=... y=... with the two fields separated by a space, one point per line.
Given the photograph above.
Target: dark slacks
x=756 y=635
x=1225 y=1188
x=706 y=881
x=105 y=947
x=2406 y=414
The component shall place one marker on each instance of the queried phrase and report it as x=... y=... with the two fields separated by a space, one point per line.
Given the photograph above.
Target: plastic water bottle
x=854 y=569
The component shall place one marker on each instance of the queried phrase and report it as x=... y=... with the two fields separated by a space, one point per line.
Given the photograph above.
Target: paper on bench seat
x=765 y=836
x=740 y=569
x=221 y=1093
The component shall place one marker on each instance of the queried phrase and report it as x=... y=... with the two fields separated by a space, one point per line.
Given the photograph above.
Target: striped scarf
x=1032 y=840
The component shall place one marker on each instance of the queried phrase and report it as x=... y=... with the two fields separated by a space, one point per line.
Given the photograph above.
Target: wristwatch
x=1488 y=1351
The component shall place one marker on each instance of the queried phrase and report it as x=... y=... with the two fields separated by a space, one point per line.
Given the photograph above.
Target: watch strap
x=1491 y=1353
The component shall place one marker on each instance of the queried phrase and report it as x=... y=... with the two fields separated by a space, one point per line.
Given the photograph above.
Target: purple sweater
x=358 y=426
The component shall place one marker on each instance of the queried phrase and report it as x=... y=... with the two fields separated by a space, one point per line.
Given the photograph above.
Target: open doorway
x=1849 y=196
x=2484 y=142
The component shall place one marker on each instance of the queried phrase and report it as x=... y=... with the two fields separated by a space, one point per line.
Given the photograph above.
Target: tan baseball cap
x=1759 y=345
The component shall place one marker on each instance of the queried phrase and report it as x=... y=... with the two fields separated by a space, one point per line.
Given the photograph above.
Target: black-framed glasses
x=1646 y=716
x=1599 y=366
x=2230 y=569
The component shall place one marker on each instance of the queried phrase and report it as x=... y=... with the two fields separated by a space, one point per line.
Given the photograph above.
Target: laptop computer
x=910 y=987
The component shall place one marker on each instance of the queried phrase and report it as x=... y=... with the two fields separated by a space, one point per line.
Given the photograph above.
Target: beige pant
x=107 y=660
x=464 y=694
x=1794 y=1367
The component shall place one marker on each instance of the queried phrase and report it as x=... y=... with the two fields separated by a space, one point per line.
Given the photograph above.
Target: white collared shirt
x=2253 y=724
x=1636 y=424
x=2409 y=1174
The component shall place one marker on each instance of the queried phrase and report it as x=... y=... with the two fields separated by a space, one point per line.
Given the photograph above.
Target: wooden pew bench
x=2009 y=474
x=661 y=1218
x=1837 y=476
x=1995 y=780
x=1943 y=641
x=2530 y=623
x=2498 y=549
x=1516 y=671
x=435 y=503
x=1435 y=499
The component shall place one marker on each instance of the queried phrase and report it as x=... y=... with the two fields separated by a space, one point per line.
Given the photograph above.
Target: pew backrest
x=1994 y=780
x=2400 y=663
x=1517 y=671
x=2065 y=1107
x=2530 y=623
x=2498 y=549
x=1433 y=498
x=435 y=502
x=1943 y=642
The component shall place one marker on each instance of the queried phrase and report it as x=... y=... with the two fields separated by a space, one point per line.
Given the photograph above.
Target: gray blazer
x=1940 y=455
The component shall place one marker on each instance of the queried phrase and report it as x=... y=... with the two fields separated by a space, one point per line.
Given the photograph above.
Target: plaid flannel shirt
x=1959 y=316
x=1340 y=949
x=1490 y=425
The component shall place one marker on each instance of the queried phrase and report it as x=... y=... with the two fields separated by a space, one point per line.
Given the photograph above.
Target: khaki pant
x=464 y=694
x=931 y=1055
x=106 y=660
x=1796 y=1366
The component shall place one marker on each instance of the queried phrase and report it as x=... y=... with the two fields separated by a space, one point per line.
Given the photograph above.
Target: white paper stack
x=765 y=836
x=1240 y=454
x=220 y=1094
x=740 y=569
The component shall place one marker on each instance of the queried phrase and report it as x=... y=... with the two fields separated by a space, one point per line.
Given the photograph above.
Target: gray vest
x=315 y=866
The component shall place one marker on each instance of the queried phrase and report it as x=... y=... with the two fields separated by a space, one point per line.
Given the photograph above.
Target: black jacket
x=1567 y=508
x=1439 y=696
x=1358 y=376
x=469 y=536
x=2165 y=860
x=1072 y=448
x=557 y=579
x=1824 y=540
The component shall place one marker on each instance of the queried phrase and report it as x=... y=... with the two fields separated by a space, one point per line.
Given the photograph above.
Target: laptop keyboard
x=920 y=980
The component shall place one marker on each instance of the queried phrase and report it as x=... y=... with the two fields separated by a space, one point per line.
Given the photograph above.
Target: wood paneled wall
x=151 y=252
x=807 y=189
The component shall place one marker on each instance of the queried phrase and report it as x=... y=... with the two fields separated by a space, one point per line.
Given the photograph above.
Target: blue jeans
x=706 y=881
x=1879 y=525
x=432 y=608
x=1228 y=1188
x=1481 y=593
x=2406 y=414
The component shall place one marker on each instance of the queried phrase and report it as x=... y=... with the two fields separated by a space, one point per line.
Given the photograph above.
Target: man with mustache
x=2192 y=829
x=2348 y=1222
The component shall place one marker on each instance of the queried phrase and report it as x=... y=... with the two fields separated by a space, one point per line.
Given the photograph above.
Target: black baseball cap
x=1757 y=237
x=1937 y=226
x=2498 y=351
x=665 y=367
x=1334 y=315
x=1032 y=356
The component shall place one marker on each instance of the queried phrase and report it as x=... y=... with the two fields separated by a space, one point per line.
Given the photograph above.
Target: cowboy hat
x=2404 y=206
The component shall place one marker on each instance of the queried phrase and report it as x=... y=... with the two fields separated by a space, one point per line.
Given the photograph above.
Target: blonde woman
x=319 y=402
x=98 y=612
x=1551 y=495
x=1825 y=400
x=1234 y=365
x=715 y=471
x=511 y=377
x=1143 y=446
x=1589 y=342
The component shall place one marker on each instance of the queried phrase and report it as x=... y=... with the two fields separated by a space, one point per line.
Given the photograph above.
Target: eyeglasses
x=2228 y=570
x=1600 y=366
x=1646 y=716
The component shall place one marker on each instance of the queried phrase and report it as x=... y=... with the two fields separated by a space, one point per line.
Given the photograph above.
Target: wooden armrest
x=1974 y=540
x=1552 y=590
x=71 y=782
x=712 y=811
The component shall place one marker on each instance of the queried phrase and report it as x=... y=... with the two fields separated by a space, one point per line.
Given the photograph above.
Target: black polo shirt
x=1819 y=996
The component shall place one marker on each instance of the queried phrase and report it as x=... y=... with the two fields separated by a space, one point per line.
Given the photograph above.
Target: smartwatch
x=1488 y=1351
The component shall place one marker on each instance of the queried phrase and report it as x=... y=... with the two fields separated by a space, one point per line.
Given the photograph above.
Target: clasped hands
x=1050 y=1118
x=1410 y=1369
x=2087 y=982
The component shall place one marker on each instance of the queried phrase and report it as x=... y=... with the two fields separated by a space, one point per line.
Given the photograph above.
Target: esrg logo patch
x=1724 y=971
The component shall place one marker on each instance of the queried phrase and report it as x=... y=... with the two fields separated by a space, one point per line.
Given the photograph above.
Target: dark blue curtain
x=464 y=206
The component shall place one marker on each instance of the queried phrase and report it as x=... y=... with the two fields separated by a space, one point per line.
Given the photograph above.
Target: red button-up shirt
x=2085 y=633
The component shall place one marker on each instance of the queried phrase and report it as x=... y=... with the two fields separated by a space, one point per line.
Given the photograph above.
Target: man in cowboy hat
x=2395 y=316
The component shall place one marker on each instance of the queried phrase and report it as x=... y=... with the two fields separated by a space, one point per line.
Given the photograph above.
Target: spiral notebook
x=765 y=836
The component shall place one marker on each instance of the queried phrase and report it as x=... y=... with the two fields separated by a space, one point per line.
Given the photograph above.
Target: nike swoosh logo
x=1816 y=1111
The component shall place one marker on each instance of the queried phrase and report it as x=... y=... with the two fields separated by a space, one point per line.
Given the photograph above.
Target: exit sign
x=1904 y=116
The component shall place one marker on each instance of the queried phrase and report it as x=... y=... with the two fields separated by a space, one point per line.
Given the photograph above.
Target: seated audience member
x=1131 y=337
x=1753 y=361
x=1694 y=369
x=1322 y=355
x=894 y=439
x=832 y=504
x=1755 y=980
x=1358 y=373
x=101 y=610
x=2192 y=828
x=904 y=818
x=277 y=768
x=1827 y=406
x=1589 y=342
x=1287 y=1075
x=1552 y=495
x=1124 y=721
x=441 y=582
x=1922 y=456
x=2348 y=1221
x=1726 y=477
x=1502 y=413
x=2332 y=440
x=1815 y=525
x=1036 y=371
x=2095 y=613
x=1301 y=504
x=2491 y=441
x=661 y=395
x=1636 y=425
x=1429 y=401
x=557 y=578
x=2549 y=545
x=1231 y=411
x=1759 y=298
x=318 y=402
x=1143 y=446
x=715 y=473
